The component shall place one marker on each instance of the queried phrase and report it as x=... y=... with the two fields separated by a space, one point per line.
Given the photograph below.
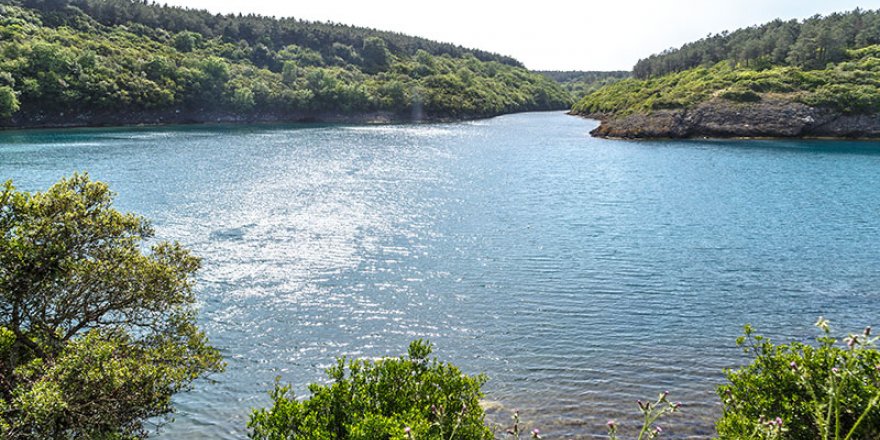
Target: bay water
x=579 y=274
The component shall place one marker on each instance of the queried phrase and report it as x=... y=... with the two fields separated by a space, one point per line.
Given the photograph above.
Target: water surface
x=579 y=274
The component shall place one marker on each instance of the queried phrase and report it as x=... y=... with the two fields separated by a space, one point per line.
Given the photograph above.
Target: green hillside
x=84 y=61
x=582 y=83
x=828 y=62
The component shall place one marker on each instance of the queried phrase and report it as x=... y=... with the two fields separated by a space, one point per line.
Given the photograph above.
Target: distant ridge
x=119 y=62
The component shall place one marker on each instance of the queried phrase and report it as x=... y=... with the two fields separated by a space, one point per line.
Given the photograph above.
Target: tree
x=376 y=56
x=8 y=102
x=186 y=41
x=97 y=331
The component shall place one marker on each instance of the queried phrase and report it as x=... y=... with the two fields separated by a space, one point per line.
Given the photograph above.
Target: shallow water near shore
x=579 y=274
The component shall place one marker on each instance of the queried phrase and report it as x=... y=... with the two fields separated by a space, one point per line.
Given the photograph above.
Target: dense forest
x=77 y=60
x=582 y=83
x=828 y=62
x=808 y=44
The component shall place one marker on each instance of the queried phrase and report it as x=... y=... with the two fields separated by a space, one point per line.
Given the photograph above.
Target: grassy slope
x=851 y=86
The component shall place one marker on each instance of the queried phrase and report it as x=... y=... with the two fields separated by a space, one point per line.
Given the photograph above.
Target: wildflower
x=794 y=366
x=835 y=370
x=655 y=433
x=536 y=433
x=778 y=421
x=612 y=425
x=822 y=323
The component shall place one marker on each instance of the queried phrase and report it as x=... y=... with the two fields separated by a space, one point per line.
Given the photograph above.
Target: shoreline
x=207 y=118
x=771 y=119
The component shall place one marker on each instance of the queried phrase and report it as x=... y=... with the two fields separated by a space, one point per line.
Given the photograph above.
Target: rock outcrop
x=719 y=118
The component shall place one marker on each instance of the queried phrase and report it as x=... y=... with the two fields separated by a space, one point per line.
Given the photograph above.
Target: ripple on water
x=579 y=274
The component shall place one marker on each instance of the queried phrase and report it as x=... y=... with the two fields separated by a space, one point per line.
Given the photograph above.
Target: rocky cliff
x=719 y=118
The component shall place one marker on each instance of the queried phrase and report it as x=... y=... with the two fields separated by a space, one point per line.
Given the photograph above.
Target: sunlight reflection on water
x=579 y=274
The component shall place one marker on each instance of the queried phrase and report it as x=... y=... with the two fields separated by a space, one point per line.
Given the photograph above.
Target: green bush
x=737 y=94
x=393 y=398
x=8 y=102
x=798 y=391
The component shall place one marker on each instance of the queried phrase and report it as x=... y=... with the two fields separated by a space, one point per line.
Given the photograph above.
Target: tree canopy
x=582 y=83
x=80 y=59
x=807 y=44
x=830 y=62
x=97 y=330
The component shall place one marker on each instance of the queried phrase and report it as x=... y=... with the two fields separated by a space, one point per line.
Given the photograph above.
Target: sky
x=547 y=35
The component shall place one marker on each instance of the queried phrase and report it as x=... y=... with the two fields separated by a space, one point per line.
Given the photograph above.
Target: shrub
x=393 y=398
x=802 y=392
x=737 y=94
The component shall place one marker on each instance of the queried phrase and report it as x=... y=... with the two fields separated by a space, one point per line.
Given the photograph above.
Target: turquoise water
x=579 y=274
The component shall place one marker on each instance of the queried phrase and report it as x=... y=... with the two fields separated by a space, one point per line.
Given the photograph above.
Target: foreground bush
x=799 y=391
x=97 y=331
x=395 y=398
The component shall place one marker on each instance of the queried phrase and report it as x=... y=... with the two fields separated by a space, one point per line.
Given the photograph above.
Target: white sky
x=551 y=35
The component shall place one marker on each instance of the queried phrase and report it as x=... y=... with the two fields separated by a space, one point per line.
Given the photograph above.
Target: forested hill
x=256 y=30
x=582 y=83
x=93 y=62
x=808 y=44
x=816 y=78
